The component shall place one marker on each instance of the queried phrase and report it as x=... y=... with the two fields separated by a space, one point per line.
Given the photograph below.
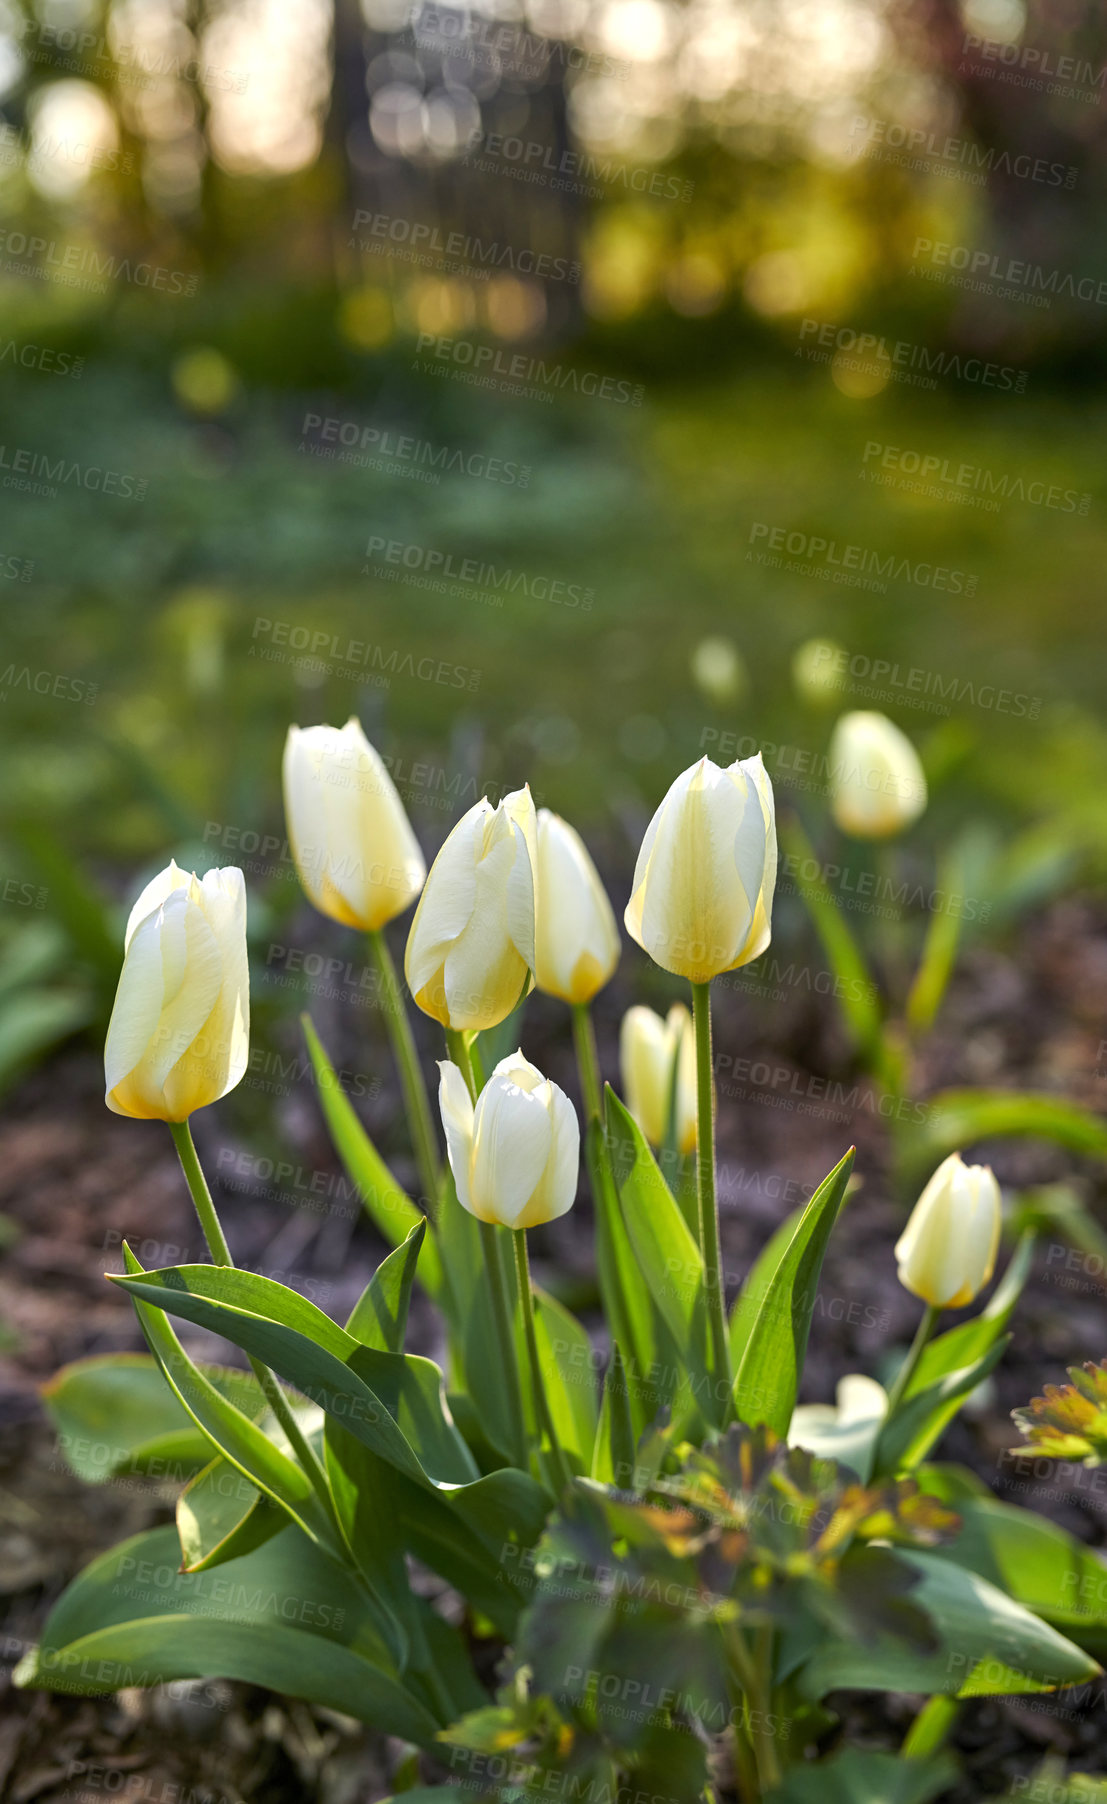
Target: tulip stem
x=221 y=1255
x=588 y=1064
x=541 y=1401
x=910 y=1365
x=705 y=1171
x=412 y=1082
x=459 y=1050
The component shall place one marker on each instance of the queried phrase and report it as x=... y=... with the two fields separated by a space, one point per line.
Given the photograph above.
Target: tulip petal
x=512 y=1136
x=557 y=1190
x=154 y=895
x=447 y=902
x=456 y=1109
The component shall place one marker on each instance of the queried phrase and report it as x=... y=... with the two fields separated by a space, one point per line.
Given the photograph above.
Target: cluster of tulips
x=513 y=901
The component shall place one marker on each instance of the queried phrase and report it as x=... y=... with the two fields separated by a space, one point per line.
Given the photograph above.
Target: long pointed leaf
x=767 y=1380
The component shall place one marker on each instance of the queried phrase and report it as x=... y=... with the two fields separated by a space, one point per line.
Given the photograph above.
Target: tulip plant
x=878 y=790
x=644 y=1568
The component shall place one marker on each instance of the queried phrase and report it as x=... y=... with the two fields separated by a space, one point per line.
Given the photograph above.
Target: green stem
x=705 y=1170
x=910 y=1365
x=588 y=1064
x=755 y=1678
x=460 y=1052
x=221 y=1255
x=541 y=1401
x=412 y=1082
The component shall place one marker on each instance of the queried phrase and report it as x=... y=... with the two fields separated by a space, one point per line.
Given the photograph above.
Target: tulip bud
x=516 y=1154
x=816 y=670
x=357 y=857
x=470 y=952
x=179 y=1035
x=647 y=1048
x=947 y=1252
x=877 y=784
x=702 y=896
x=576 y=945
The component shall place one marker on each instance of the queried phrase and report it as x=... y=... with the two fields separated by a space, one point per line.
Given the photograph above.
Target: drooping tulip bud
x=179 y=1035
x=947 y=1252
x=357 y=857
x=877 y=784
x=577 y=942
x=702 y=896
x=515 y=1155
x=470 y=953
x=648 y=1047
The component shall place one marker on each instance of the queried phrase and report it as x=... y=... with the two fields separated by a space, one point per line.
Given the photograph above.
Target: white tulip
x=357 y=857
x=515 y=1155
x=702 y=896
x=577 y=942
x=947 y=1252
x=179 y=1036
x=648 y=1046
x=470 y=953
x=877 y=784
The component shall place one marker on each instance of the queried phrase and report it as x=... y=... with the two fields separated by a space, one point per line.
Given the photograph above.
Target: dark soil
x=75 y=1180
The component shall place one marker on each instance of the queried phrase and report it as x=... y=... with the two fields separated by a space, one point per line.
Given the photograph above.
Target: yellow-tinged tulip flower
x=576 y=945
x=647 y=1047
x=947 y=1252
x=702 y=896
x=516 y=1154
x=179 y=1035
x=356 y=854
x=877 y=784
x=470 y=952
x=817 y=667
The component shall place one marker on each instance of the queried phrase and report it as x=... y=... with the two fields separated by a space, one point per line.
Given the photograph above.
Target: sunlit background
x=696 y=229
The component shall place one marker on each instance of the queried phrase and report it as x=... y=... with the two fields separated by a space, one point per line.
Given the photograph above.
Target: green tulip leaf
x=771 y=1361
x=668 y=1257
x=379 y=1317
x=116 y=1414
x=857 y=1776
x=228 y=1430
x=958 y=1118
x=565 y=1353
x=393 y=1402
x=990 y=1645
x=284 y=1616
x=1030 y=1558
x=221 y=1516
x=613 y=1455
x=389 y=1205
